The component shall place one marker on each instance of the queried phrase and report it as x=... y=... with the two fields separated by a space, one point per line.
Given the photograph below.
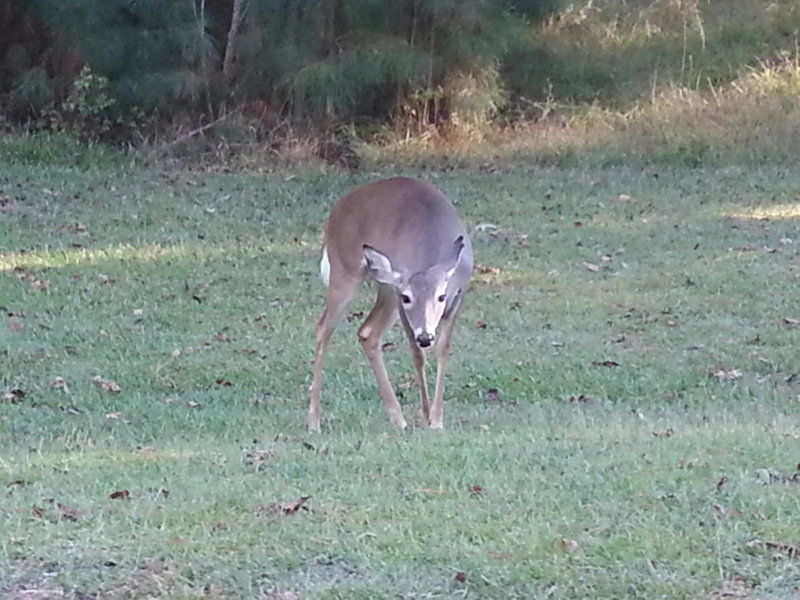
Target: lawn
x=623 y=401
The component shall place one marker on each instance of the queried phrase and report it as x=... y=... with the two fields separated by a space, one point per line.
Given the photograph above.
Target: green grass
x=197 y=293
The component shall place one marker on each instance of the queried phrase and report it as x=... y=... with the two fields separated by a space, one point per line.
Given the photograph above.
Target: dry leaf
x=120 y=495
x=570 y=545
x=14 y=396
x=106 y=385
x=790 y=549
x=493 y=396
x=727 y=374
x=289 y=508
x=59 y=383
x=591 y=267
x=487 y=270
x=16 y=484
x=460 y=576
x=605 y=363
x=67 y=513
x=285 y=508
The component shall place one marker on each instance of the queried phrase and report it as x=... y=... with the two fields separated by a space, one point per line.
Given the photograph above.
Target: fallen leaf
x=790 y=549
x=475 y=490
x=289 y=508
x=113 y=415
x=721 y=483
x=493 y=396
x=285 y=508
x=480 y=324
x=14 y=396
x=668 y=432
x=773 y=477
x=259 y=457
x=120 y=495
x=460 y=576
x=570 y=545
x=591 y=267
x=68 y=513
x=223 y=382
x=106 y=385
x=727 y=374
x=16 y=484
x=487 y=270
x=605 y=363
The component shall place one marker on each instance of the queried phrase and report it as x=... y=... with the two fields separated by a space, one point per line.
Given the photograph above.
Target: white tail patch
x=325 y=267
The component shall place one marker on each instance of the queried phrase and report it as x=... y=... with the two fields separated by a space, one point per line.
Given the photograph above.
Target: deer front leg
x=442 y=356
x=383 y=314
x=418 y=357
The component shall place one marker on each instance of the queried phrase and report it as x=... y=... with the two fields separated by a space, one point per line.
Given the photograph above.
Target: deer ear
x=455 y=256
x=380 y=267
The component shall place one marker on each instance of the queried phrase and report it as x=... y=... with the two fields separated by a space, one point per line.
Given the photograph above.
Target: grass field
x=640 y=327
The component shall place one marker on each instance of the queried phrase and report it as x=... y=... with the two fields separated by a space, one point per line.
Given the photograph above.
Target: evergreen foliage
x=317 y=62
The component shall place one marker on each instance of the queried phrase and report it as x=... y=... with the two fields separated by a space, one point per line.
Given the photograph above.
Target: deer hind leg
x=442 y=355
x=380 y=318
x=338 y=298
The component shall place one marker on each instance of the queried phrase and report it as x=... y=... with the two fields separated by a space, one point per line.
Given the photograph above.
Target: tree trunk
x=237 y=16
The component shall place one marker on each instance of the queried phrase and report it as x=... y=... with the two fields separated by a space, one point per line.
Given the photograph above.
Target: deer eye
x=441 y=298
x=405 y=298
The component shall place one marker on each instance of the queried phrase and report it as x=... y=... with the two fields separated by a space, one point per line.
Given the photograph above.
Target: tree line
x=107 y=67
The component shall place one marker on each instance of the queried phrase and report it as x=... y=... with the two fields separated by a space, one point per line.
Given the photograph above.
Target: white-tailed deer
x=405 y=235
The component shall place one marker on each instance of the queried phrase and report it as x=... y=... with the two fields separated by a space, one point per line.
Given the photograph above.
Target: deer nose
x=424 y=339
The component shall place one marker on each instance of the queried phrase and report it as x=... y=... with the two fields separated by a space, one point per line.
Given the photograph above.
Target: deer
x=407 y=237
